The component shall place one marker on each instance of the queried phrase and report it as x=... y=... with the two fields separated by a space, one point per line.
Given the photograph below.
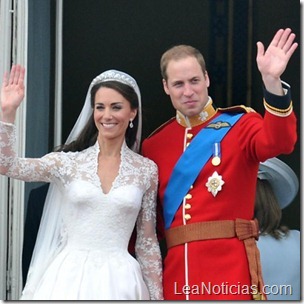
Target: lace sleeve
x=26 y=169
x=147 y=247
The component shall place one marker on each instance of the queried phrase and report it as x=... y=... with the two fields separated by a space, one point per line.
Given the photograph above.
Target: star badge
x=215 y=183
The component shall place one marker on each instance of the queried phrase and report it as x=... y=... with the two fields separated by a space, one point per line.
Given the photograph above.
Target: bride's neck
x=110 y=148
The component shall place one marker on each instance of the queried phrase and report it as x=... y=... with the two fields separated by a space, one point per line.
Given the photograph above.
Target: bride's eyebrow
x=112 y=103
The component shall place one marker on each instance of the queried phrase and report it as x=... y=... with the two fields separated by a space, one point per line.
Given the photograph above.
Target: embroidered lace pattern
x=134 y=190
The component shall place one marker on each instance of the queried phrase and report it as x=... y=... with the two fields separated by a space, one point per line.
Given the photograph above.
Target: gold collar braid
x=196 y=120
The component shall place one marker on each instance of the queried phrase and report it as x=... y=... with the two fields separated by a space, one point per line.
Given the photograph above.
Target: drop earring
x=131 y=124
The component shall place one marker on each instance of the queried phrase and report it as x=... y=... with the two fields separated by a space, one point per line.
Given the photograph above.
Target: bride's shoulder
x=146 y=162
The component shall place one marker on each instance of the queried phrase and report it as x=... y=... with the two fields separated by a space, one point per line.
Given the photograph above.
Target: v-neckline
x=118 y=173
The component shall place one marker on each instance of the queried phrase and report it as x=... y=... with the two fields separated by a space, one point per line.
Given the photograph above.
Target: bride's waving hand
x=12 y=93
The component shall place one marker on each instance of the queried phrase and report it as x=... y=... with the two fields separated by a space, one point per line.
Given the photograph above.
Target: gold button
x=191 y=187
x=189 y=135
x=187 y=206
x=188 y=196
x=187 y=144
x=187 y=217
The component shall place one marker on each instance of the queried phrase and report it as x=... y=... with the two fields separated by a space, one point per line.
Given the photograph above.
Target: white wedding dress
x=92 y=261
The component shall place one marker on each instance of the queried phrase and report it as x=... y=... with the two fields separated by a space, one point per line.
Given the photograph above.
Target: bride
x=100 y=190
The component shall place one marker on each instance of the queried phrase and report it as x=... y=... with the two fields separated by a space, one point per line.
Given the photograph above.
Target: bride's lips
x=108 y=125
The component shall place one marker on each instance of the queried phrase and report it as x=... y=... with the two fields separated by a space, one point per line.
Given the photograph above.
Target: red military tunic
x=218 y=269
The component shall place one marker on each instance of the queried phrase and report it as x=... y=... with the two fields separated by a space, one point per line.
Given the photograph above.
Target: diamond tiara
x=113 y=75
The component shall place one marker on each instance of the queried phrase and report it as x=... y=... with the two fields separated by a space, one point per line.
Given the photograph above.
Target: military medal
x=216 y=160
x=215 y=183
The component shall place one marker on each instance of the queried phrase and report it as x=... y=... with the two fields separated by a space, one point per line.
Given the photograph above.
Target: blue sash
x=192 y=161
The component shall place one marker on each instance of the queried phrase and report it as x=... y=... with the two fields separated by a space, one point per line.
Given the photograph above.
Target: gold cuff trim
x=282 y=111
x=275 y=113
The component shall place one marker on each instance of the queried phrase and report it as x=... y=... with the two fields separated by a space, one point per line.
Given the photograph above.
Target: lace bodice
x=93 y=219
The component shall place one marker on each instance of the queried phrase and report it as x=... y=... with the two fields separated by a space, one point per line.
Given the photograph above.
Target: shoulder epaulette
x=239 y=108
x=161 y=126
